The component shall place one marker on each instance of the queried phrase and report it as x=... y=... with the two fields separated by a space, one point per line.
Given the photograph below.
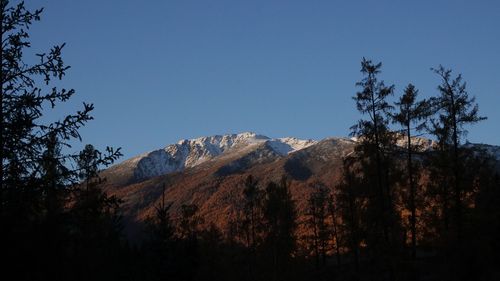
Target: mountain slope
x=209 y=172
x=190 y=153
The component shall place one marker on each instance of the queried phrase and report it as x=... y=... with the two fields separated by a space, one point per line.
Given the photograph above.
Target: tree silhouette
x=251 y=222
x=95 y=218
x=317 y=222
x=39 y=181
x=375 y=149
x=160 y=243
x=252 y=202
x=350 y=201
x=374 y=134
x=333 y=211
x=411 y=116
x=189 y=234
x=455 y=110
x=280 y=222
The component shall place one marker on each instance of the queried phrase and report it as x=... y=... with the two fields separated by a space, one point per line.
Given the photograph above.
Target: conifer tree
x=95 y=217
x=317 y=222
x=350 y=202
x=455 y=110
x=333 y=210
x=252 y=200
x=189 y=231
x=38 y=178
x=251 y=223
x=375 y=138
x=160 y=242
x=280 y=222
x=411 y=116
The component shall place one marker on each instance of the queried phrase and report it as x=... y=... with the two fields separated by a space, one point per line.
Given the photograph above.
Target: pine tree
x=280 y=222
x=335 y=218
x=252 y=200
x=412 y=116
x=484 y=228
x=160 y=243
x=375 y=138
x=37 y=176
x=189 y=230
x=375 y=151
x=251 y=223
x=455 y=110
x=317 y=222
x=350 y=203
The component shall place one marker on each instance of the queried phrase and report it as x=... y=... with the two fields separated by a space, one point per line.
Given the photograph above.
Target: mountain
x=190 y=153
x=209 y=172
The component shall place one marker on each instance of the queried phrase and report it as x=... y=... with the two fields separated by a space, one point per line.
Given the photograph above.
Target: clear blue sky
x=159 y=71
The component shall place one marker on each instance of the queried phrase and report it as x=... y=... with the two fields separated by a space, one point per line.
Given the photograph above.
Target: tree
x=317 y=222
x=412 y=116
x=213 y=256
x=24 y=137
x=160 y=243
x=189 y=222
x=252 y=200
x=95 y=218
x=333 y=209
x=38 y=179
x=350 y=202
x=251 y=222
x=54 y=175
x=280 y=222
x=375 y=149
x=375 y=137
x=161 y=227
x=189 y=232
x=455 y=110
x=484 y=228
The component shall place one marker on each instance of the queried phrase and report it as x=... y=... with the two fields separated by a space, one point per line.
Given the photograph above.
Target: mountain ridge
x=188 y=153
x=209 y=172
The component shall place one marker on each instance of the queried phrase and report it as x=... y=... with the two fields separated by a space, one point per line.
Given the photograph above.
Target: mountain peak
x=188 y=153
x=226 y=139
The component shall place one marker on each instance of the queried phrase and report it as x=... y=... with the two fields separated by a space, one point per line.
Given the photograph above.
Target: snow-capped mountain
x=190 y=153
x=210 y=171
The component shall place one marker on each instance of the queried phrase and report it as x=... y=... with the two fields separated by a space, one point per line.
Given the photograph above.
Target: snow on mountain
x=284 y=146
x=190 y=153
x=421 y=144
x=193 y=152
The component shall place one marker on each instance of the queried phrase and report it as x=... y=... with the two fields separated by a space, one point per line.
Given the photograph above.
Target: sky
x=160 y=71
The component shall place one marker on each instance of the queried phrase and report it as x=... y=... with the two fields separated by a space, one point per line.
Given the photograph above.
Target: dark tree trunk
x=457 y=193
x=378 y=159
